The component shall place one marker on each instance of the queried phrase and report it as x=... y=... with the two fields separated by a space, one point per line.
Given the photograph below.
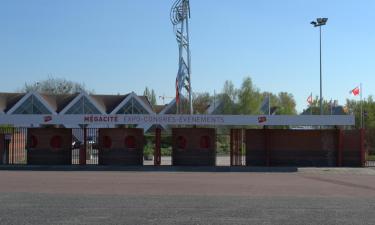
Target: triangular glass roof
x=83 y=106
x=32 y=105
x=132 y=107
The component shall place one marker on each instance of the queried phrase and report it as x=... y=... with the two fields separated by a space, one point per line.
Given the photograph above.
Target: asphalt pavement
x=308 y=196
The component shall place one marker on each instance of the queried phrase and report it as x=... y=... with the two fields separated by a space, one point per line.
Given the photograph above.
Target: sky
x=120 y=46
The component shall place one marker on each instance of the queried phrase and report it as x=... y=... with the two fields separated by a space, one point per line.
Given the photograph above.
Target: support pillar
x=363 y=150
x=267 y=149
x=339 y=148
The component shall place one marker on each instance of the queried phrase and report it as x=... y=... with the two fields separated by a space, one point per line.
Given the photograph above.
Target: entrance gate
x=190 y=146
x=236 y=147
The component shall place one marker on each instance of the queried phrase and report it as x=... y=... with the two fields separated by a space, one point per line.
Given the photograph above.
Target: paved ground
x=310 y=196
x=167 y=160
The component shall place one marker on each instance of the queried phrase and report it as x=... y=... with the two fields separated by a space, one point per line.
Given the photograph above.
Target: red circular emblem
x=205 y=142
x=181 y=142
x=107 y=142
x=130 y=142
x=33 y=141
x=56 y=142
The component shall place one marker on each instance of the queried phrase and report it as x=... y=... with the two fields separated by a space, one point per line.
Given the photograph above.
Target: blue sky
x=119 y=46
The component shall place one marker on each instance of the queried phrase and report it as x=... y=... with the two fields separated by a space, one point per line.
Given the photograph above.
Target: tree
x=200 y=102
x=151 y=96
x=249 y=98
x=353 y=107
x=55 y=86
x=228 y=98
x=230 y=90
x=287 y=104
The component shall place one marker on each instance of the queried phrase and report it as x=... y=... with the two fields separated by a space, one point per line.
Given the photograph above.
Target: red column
x=2 y=147
x=268 y=152
x=339 y=148
x=157 y=152
x=231 y=147
x=239 y=155
x=363 y=153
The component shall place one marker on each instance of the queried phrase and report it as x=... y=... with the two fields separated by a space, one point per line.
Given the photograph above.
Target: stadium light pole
x=319 y=23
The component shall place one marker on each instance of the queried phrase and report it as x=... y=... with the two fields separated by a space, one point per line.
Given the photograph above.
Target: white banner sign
x=214 y=120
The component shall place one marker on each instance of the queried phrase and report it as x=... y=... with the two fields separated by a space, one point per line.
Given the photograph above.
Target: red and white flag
x=355 y=91
x=177 y=93
x=310 y=99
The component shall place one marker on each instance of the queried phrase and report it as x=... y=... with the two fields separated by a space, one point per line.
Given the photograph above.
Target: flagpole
x=360 y=91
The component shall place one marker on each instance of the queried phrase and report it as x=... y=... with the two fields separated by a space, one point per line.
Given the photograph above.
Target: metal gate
x=236 y=147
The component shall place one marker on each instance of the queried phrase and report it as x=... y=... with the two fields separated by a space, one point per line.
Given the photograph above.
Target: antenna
x=180 y=14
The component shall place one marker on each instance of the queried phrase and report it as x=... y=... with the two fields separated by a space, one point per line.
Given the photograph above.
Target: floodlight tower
x=180 y=14
x=319 y=23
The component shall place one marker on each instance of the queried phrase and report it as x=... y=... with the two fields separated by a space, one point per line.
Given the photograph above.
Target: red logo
x=262 y=119
x=181 y=142
x=107 y=142
x=47 y=118
x=205 y=142
x=56 y=142
x=130 y=142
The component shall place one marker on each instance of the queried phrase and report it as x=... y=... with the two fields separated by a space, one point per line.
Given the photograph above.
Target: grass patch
x=371 y=157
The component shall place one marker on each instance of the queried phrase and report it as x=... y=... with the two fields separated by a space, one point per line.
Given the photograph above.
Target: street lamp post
x=319 y=23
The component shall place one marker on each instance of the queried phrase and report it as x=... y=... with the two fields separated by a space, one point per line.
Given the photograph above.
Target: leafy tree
x=287 y=104
x=201 y=102
x=151 y=96
x=230 y=90
x=249 y=98
x=228 y=98
x=353 y=107
x=55 y=86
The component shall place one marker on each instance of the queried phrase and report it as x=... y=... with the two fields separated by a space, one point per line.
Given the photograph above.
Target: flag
x=177 y=92
x=310 y=99
x=265 y=106
x=355 y=91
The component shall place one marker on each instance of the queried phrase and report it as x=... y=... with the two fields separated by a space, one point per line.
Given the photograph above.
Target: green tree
x=287 y=104
x=151 y=96
x=228 y=98
x=200 y=102
x=249 y=98
x=353 y=107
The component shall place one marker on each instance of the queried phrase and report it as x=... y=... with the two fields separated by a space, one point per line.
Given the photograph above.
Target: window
x=132 y=107
x=83 y=106
x=32 y=105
